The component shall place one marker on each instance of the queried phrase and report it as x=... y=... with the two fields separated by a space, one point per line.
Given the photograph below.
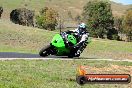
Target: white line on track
x=63 y=59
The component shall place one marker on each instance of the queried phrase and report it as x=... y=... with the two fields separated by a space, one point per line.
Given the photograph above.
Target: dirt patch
x=111 y=69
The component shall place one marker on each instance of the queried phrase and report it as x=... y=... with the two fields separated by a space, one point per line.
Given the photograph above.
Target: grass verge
x=16 y=38
x=56 y=73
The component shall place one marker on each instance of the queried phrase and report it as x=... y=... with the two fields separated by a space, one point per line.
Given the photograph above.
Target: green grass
x=16 y=38
x=22 y=39
x=50 y=73
x=103 y=48
x=53 y=73
x=114 y=46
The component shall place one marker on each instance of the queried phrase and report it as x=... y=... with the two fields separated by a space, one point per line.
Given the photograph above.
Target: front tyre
x=45 y=51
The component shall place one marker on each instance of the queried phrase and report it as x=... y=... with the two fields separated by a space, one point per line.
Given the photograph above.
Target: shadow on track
x=29 y=55
x=24 y=55
x=18 y=55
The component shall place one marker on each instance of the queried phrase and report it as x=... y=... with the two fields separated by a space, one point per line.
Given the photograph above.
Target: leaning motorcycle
x=63 y=45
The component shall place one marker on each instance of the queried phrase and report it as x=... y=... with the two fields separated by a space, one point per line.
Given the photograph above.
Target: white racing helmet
x=82 y=25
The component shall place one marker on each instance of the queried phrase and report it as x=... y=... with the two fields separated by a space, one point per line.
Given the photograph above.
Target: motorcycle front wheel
x=45 y=51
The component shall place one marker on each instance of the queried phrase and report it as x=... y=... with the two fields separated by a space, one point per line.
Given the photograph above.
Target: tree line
x=101 y=23
x=97 y=14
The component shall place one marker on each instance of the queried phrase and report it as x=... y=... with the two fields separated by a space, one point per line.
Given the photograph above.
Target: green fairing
x=72 y=39
x=58 y=42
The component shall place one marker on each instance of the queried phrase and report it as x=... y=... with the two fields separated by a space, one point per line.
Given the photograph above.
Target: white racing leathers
x=84 y=36
x=82 y=42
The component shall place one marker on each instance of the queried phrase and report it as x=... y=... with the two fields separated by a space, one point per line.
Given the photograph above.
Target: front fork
x=53 y=50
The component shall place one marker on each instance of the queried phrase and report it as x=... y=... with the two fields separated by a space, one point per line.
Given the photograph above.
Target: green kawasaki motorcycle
x=62 y=45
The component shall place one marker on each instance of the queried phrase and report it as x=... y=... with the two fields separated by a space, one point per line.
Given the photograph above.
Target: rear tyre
x=72 y=53
x=78 y=52
x=75 y=52
x=45 y=51
x=70 y=56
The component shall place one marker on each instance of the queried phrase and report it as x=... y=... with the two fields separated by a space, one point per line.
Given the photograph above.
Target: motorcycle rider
x=82 y=34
